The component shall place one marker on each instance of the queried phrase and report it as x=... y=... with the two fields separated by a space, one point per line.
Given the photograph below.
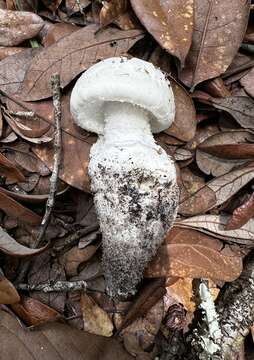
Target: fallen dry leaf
x=241 y=215
x=216 y=38
x=184 y=125
x=181 y=291
x=111 y=10
x=247 y=81
x=55 y=341
x=9 y=171
x=75 y=256
x=146 y=299
x=73 y=54
x=17 y=26
x=8 y=51
x=13 y=69
x=169 y=21
x=189 y=253
x=217 y=191
x=15 y=210
x=10 y=246
x=34 y=312
x=96 y=321
x=55 y=32
x=76 y=143
x=215 y=226
x=8 y=293
x=52 y=4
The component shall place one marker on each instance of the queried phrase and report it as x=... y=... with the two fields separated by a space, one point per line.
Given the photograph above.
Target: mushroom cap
x=132 y=81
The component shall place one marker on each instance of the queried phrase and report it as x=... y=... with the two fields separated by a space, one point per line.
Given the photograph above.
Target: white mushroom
x=133 y=179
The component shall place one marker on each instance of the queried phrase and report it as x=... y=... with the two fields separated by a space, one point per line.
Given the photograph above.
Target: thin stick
x=55 y=84
x=58 y=286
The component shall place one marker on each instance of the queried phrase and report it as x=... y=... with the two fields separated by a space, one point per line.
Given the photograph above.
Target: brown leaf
x=27 y=133
x=8 y=293
x=145 y=300
x=215 y=225
x=34 y=312
x=111 y=10
x=145 y=329
x=73 y=54
x=241 y=215
x=216 y=38
x=15 y=210
x=96 y=320
x=8 y=51
x=240 y=107
x=217 y=191
x=181 y=291
x=211 y=161
x=184 y=125
x=17 y=26
x=8 y=170
x=55 y=32
x=189 y=253
x=10 y=246
x=52 y=5
x=76 y=143
x=55 y=341
x=74 y=257
x=169 y=22
x=74 y=6
x=13 y=69
x=247 y=82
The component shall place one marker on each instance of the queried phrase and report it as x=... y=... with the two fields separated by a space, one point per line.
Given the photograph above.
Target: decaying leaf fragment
x=241 y=215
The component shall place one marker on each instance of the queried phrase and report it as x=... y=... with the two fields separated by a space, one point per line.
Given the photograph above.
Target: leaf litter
x=196 y=44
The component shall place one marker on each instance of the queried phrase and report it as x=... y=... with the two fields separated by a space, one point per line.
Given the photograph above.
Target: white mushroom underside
x=136 y=195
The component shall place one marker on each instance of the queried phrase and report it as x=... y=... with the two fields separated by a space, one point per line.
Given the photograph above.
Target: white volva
x=133 y=179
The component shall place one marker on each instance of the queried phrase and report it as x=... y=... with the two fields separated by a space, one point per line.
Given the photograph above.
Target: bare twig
x=25 y=114
x=58 y=286
x=55 y=84
x=73 y=239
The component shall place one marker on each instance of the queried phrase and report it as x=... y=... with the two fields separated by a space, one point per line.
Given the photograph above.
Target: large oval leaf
x=169 y=21
x=219 y=30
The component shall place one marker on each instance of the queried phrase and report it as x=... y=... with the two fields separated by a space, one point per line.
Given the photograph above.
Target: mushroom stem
x=126 y=124
x=136 y=196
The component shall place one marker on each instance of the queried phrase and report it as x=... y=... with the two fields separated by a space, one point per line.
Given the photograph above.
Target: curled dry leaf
x=111 y=10
x=76 y=143
x=247 y=82
x=189 y=253
x=240 y=107
x=34 y=312
x=217 y=191
x=216 y=39
x=10 y=246
x=213 y=151
x=184 y=125
x=145 y=300
x=74 y=257
x=9 y=171
x=73 y=54
x=96 y=320
x=59 y=341
x=8 y=293
x=17 y=26
x=169 y=21
x=15 y=210
x=241 y=215
x=145 y=329
x=215 y=226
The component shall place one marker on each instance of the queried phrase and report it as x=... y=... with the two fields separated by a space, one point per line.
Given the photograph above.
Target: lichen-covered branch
x=58 y=286
x=236 y=311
